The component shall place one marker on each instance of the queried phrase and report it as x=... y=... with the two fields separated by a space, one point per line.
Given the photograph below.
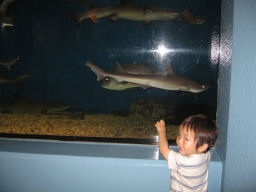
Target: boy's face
x=186 y=142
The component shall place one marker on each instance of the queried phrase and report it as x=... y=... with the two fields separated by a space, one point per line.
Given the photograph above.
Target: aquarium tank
x=106 y=70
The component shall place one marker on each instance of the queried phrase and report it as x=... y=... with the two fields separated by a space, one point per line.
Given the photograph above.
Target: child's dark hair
x=204 y=128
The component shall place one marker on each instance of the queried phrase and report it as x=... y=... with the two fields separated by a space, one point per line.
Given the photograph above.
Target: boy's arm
x=163 y=143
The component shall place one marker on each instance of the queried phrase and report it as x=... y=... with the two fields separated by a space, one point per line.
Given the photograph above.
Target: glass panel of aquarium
x=106 y=70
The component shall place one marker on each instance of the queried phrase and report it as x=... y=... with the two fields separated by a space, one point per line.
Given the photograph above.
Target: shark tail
x=12 y=61
x=191 y=19
x=98 y=71
x=22 y=77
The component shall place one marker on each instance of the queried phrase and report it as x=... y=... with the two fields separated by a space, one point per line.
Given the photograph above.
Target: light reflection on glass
x=162 y=50
x=215 y=49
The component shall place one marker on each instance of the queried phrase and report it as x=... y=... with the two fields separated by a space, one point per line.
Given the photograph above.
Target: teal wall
x=236 y=101
x=41 y=166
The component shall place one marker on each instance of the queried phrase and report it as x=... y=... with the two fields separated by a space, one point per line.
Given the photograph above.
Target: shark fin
x=166 y=71
x=168 y=68
x=148 y=10
x=186 y=12
x=120 y=68
x=92 y=15
x=93 y=18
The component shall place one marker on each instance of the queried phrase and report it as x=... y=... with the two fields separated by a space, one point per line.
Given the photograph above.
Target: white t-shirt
x=188 y=173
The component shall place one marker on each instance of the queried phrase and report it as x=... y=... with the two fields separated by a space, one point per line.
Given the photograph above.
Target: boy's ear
x=203 y=148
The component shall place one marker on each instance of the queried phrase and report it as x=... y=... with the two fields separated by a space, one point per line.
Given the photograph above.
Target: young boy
x=189 y=166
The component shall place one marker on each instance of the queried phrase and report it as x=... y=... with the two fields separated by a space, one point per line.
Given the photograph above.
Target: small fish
x=18 y=79
x=10 y=62
x=126 y=10
x=5 y=20
x=166 y=80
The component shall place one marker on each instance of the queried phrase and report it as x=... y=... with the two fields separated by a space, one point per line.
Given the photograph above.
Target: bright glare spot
x=162 y=50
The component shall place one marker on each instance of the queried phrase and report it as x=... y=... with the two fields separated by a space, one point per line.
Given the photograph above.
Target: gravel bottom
x=77 y=124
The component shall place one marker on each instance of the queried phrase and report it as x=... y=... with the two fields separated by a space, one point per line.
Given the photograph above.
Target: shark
x=10 y=62
x=166 y=79
x=112 y=84
x=128 y=11
x=17 y=79
x=5 y=20
x=22 y=105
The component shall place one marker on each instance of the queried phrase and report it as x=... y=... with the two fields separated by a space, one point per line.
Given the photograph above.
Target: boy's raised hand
x=160 y=126
x=163 y=143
